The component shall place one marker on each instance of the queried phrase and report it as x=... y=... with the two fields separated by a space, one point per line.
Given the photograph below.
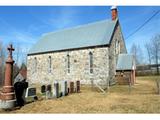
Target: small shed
x=125 y=69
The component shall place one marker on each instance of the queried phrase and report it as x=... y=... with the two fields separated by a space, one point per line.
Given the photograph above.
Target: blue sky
x=24 y=25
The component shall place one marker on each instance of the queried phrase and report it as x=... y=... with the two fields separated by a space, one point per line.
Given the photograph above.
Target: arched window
x=115 y=47
x=49 y=64
x=35 y=64
x=119 y=47
x=68 y=63
x=91 y=62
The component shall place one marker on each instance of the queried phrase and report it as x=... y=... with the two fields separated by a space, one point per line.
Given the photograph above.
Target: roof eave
x=117 y=23
x=69 y=49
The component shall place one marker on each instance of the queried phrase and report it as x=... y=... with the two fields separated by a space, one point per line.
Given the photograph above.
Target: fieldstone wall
x=104 y=64
x=113 y=54
x=79 y=66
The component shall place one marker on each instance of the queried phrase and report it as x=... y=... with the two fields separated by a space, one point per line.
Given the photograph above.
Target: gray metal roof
x=125 y=62
x=93 y=34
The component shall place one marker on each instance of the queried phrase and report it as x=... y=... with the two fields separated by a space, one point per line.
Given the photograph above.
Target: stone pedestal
x=7 y=95
x=7 y=104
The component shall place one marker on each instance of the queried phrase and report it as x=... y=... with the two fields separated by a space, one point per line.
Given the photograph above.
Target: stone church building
x=88 y=53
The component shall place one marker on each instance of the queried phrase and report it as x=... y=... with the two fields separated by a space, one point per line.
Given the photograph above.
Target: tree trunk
x=157 y=64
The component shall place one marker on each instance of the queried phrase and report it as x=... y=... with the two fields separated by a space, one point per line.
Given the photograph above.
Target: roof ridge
x=75 y=27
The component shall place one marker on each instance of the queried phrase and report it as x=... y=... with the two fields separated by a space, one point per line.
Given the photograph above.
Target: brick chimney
x=114 y=12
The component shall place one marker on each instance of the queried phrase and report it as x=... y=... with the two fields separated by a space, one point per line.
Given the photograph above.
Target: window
x=68 y=63
x=91 y=62
x=35 y=64
x=117 y=47
x=49 y=64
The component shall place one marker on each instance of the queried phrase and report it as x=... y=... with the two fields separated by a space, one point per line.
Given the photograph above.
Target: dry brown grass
x=141 y=99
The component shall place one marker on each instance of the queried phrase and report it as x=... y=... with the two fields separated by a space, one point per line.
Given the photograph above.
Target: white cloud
x=15 y=35
x=24 y=37
x=65 y=18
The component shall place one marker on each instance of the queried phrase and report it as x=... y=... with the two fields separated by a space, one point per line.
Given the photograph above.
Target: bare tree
x=20 y=54
x=17 y=54
x=24 y=54
x=138 y=53
x=133 y=50
x=15 y=70
x=2 y=62
x=16 y=57
x=155 y=50
x=148 y=48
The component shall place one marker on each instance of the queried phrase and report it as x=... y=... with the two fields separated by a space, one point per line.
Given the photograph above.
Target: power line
x=143 y=24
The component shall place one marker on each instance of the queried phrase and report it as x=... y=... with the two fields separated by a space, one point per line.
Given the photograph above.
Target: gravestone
x=49 y=92
x=64 y=88
x=71 y=87
x=60 y=88
x=49 y=88
x=25 y=85
x=77 y=86
x=56 y=89
x=68 y=90
x=43 y=89
x=31 y=93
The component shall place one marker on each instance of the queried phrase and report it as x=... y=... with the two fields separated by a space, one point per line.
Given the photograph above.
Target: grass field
x=141 y=99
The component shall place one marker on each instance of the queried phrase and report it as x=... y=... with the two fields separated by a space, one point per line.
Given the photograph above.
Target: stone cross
x=8 y=95
x=10 y=49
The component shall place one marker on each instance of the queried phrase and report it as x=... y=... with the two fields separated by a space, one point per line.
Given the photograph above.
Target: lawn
x=142 y=98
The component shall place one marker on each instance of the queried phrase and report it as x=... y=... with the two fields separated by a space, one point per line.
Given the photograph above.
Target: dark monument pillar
x=8 y=95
